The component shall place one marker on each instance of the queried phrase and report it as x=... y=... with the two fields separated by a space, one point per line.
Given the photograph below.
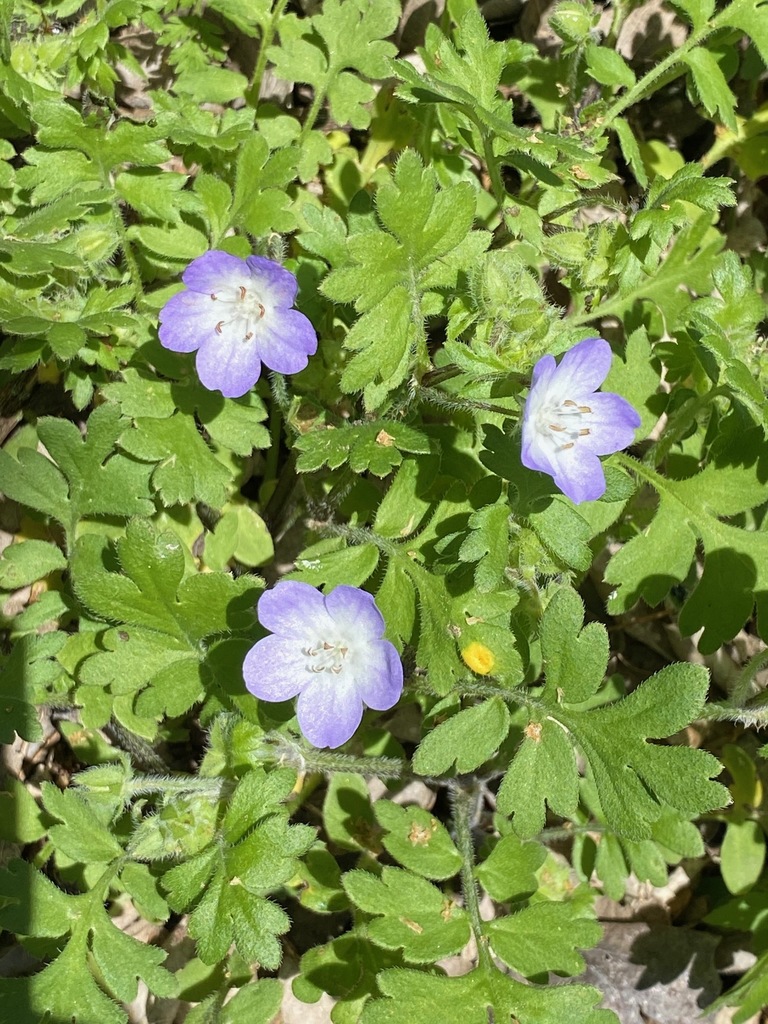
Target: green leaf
x=742 y=855
x=698 y=12
x=82 y=837
x=636 y=781
x=467 y=739
x=509 y=872
x=711 y=85
x=261 y=203
x=374 y=447
x=214 y=85
x=473 y=998
x=344 y=35
x=257 y=1002
x=391 y=273
x=543 y=771
x=21 y=564
x=608 y=67
x=396 y=600
x=187 y=469
x=21 y=820
x=229 y=880
x=574 y=658
x=327 y=565
x=33 y=905
x=124 y=961
x=348 y=815
x=488 y=545
x=417 y=840
x=34 y=481
x=64 y=991
x=178 y=243
x=241 y=534
x=155 y=194
x=415 y=916
x=170 y=617
x=347 y=968
x=630 y=150
x=749 y=16
x=545 y=937
x=735 y=559
x=26 y=676
x=100 y=481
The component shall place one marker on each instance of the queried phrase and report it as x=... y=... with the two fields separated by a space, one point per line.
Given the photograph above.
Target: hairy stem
x=254 y=89
x=287 y=751
x=461 y=792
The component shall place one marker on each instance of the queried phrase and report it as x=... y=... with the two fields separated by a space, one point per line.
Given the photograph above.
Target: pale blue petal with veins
x=330 y=652
x=237 y=315
x=567 y=424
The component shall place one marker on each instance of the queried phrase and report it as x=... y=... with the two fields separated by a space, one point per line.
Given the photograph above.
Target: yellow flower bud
x=479 y=658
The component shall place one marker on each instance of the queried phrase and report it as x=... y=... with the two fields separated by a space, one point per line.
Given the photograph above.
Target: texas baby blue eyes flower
x=237 y=314
x=567 y=424
x=329 y=650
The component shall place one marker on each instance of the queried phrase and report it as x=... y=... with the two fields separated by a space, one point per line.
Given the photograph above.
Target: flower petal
x=288 y=340
x=537 y=450
x=329 y=710
x=214 y=271
x=582 y=369
x=275 y=669
x=226 y=362
x=580 y=477
x=279 y=285
x=186 y=321
x=380 y=681
x=612 y=424
x=542 y=373
x=354 y=609
x=294 y=609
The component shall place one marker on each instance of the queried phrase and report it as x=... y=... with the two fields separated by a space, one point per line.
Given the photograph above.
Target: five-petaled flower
x=330 y=651
x=566 y=424
x=237 y=314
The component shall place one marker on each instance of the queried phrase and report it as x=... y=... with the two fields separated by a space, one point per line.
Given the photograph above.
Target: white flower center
x=326 y=657
x=241 y=307
x=562 y=424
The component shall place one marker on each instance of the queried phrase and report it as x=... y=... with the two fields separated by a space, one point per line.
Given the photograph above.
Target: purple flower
x=328 y=650
x=237 y=314
x=566 y=424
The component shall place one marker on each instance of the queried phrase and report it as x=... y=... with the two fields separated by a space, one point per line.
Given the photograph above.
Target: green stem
x=174 y=785
x=620 y=11
x=253 y=90
x=740 y=693
x=275 y=436
x=317 y=101
x=461 y=798
x=666 y=67
x=751 y=717
x=683 y=419
x=464 y=404
x=356 y=535
x=275 y=747
x=494 y=173
x=127 y=251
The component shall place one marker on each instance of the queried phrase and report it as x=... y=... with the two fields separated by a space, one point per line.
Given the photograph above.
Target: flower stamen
x=326 y=657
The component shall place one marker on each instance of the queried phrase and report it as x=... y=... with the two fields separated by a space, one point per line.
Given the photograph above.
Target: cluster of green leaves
x=433 y=213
